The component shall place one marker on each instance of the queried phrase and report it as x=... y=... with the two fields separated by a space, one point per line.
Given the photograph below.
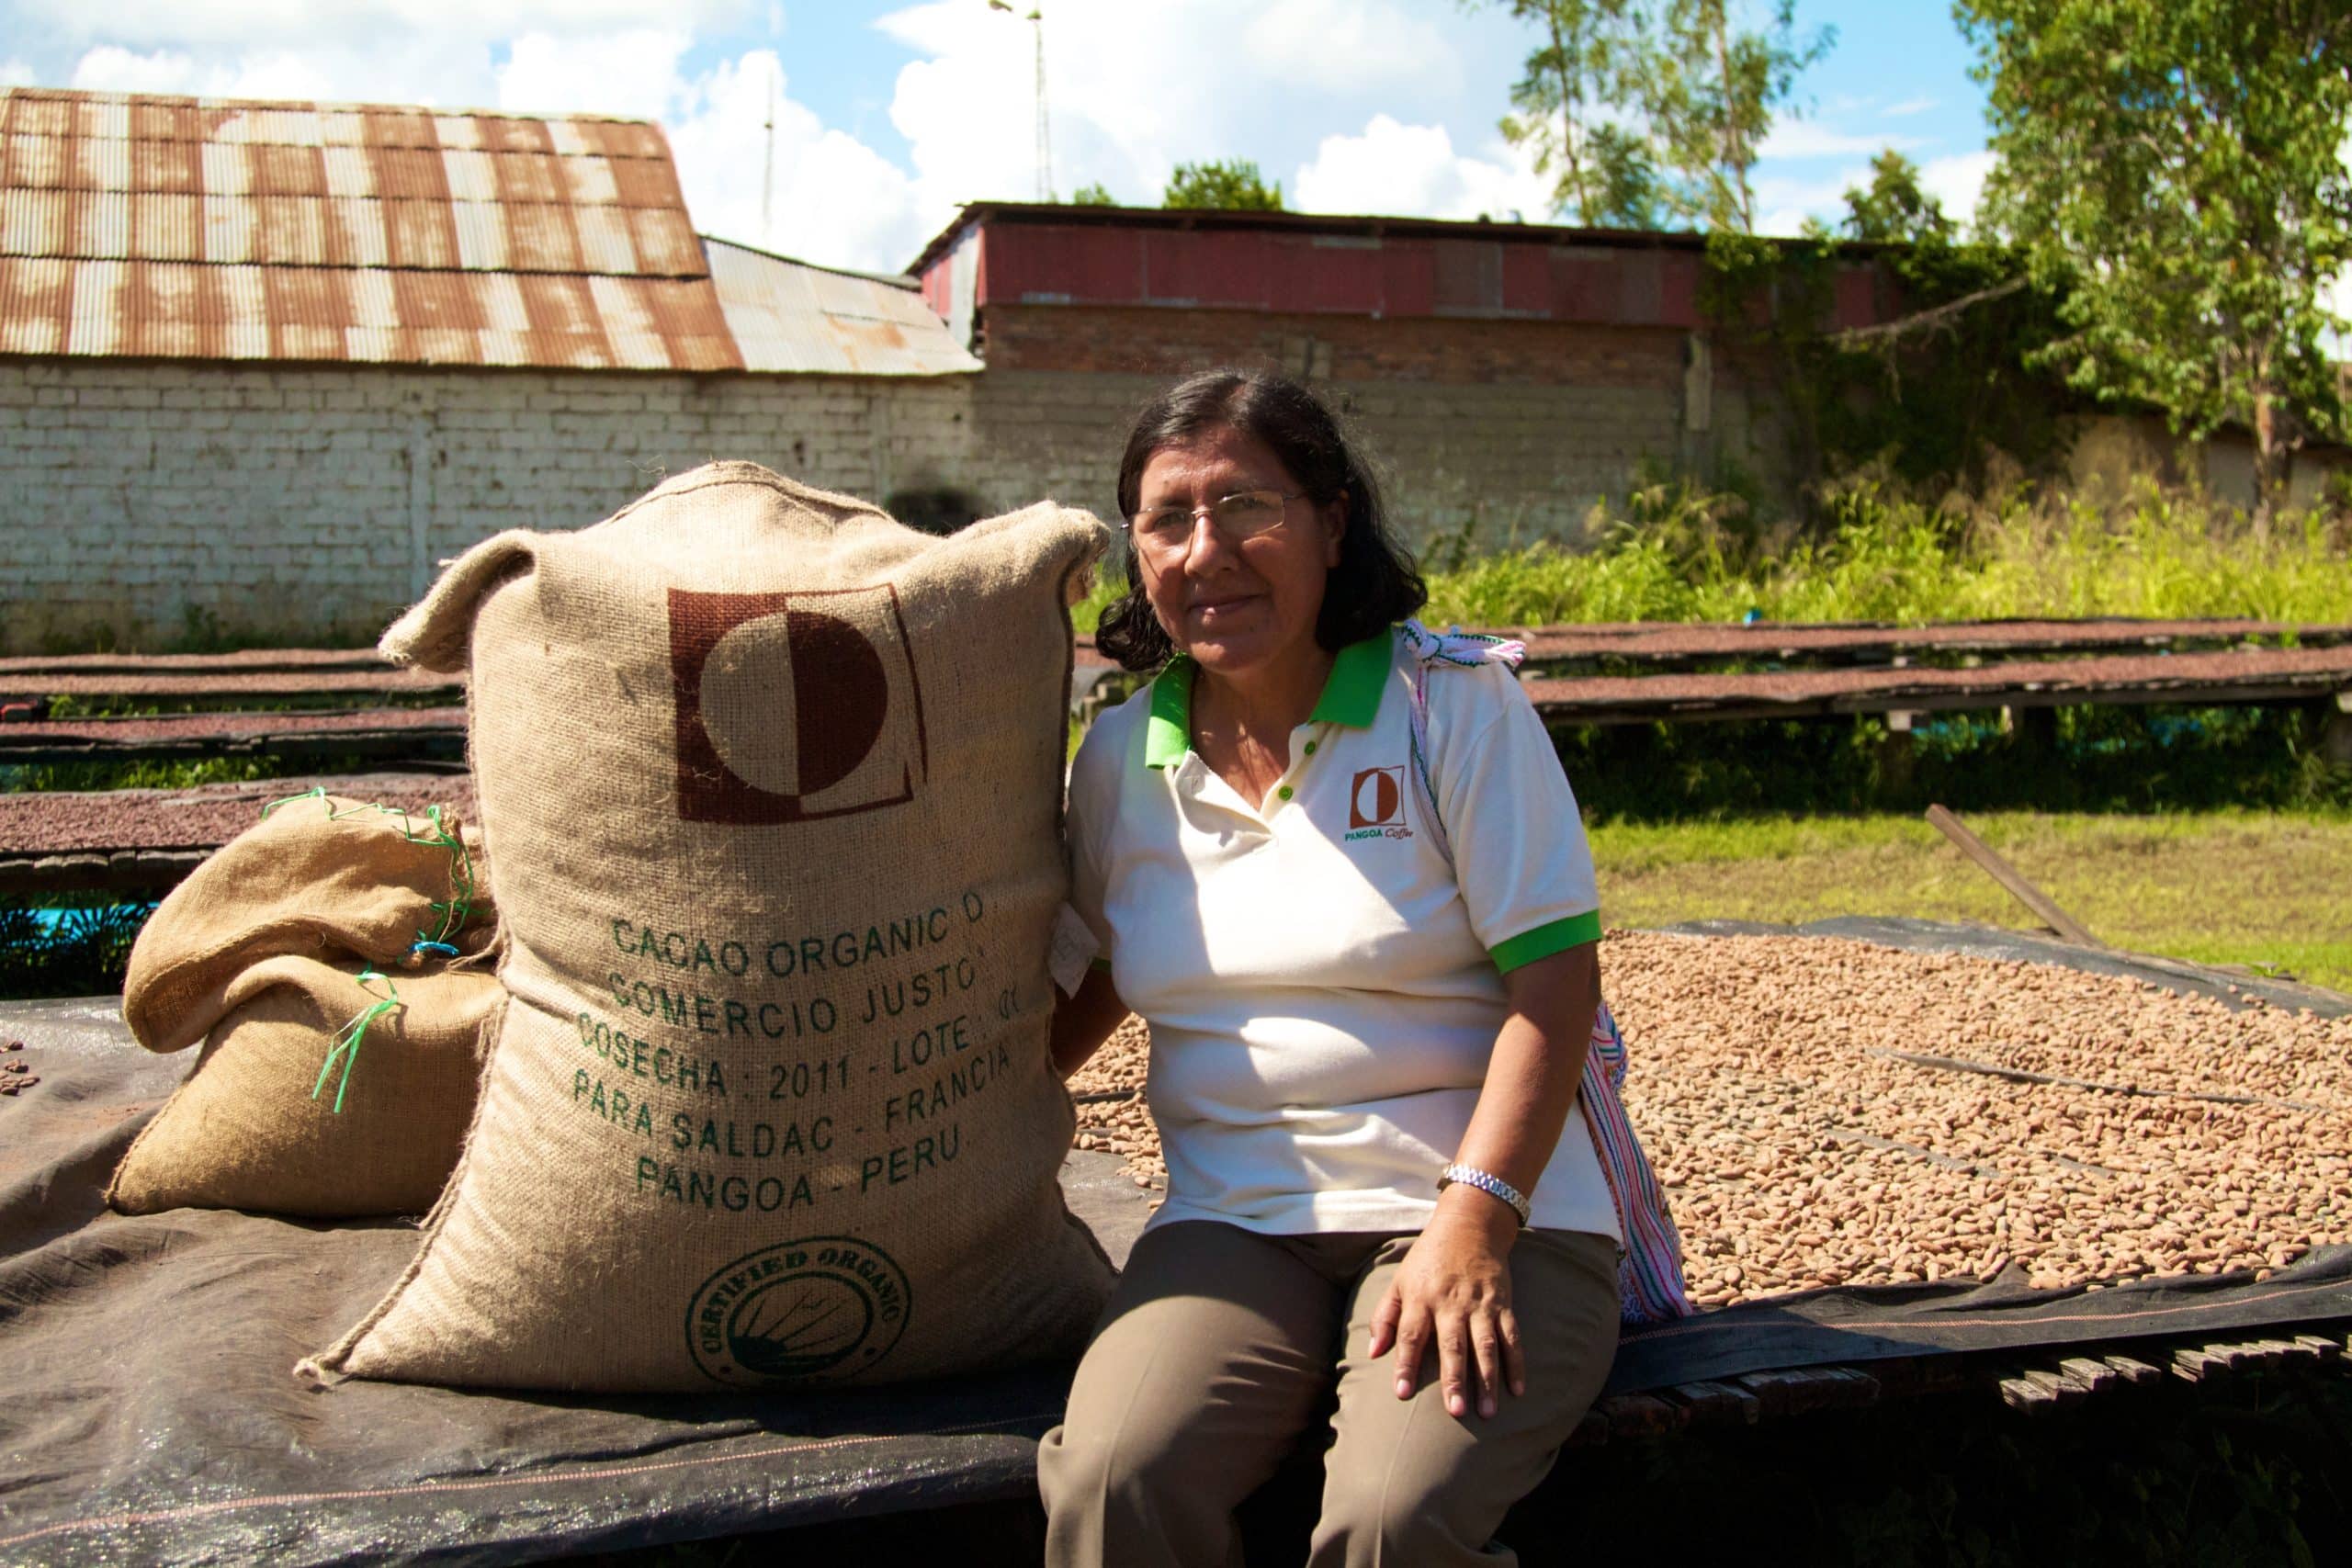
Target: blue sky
x=889 y=115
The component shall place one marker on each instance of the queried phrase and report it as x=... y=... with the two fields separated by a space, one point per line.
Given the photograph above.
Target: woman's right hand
x=1082 y=1022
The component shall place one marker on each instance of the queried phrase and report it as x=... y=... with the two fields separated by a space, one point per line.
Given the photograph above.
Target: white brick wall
x=137 y=499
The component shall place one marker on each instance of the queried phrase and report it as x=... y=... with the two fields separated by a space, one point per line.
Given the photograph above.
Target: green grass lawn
x=2257 y=888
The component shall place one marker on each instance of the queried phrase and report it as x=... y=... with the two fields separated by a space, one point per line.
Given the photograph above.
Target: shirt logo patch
x=1376 y=805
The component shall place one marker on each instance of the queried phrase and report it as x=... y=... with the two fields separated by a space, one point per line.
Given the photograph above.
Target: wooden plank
x=122 y=871
x=1637 y=1416
x=2135 y=1373
x=1662 y=645
x=2319 y=1345
x=244 y=660
x=1799 y=1391
x=2090 y=1376
x=423 y=734
x=2008 y=876
x=2199 y=1365
x=2212 y=679
x=1850 y=1388
x=2054 y=1384
x=2028 y=1396
x=1715 y=1404
x=208 y=686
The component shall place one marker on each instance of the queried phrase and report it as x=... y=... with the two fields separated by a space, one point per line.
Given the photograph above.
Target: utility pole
x=1036 y=20
x=767 y=175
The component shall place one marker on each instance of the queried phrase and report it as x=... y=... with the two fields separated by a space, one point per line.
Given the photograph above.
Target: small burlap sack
x=293 y=1109
x=773 y=786
x=319 y=876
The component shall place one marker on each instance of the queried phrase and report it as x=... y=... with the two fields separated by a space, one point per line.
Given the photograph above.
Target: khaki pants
x=1221 y=1346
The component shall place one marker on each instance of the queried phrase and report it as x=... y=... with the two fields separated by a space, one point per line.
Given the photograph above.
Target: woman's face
x=1235 y=605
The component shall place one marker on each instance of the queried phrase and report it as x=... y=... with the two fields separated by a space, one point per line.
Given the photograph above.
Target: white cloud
x=1958 y=181
x=1137 y=88
x=1413 y=169
x=1783 y=204
x=417 y=69
x=835 y=199
x=110 y=68
x=633 y=73
x=1811 y=139
x=300 y=24
x=1349 y=46
x=15 y=73
x=1907 y=107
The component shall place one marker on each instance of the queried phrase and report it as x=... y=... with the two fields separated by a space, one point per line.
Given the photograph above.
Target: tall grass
x=1677 y=554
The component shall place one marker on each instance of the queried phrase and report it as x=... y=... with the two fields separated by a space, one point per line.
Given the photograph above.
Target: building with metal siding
x=1510 y=375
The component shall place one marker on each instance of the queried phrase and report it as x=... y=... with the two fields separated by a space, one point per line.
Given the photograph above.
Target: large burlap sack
x=773 y=786
x=319 y=876
x=321 y=1094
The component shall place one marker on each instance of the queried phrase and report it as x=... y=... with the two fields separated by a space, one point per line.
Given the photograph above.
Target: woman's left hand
x=1453 y=1290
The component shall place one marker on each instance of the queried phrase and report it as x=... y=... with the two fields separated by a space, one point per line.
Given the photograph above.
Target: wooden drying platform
x=148 y=840
x=1674 y=645
x=2265 y=675
x=230 y=685
x=247 y=660
x=2034 y=1382
x=1668 y=646
x=436 y=734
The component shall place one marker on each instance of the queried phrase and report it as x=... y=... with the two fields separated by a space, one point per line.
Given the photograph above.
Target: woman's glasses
x=1166 y=530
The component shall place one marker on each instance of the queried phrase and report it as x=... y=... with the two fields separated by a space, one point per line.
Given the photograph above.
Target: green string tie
x=346 y=1042
x=454 y=911
x=316 y=792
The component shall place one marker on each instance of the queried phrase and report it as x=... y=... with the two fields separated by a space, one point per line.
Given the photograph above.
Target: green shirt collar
x=1350 y=697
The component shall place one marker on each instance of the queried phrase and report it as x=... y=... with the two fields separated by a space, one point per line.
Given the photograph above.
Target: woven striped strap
x=1430 y=650
x=1649 y=1275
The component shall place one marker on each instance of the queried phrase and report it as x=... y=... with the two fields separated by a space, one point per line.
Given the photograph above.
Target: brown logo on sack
x=1377 y=798
x=793 y=705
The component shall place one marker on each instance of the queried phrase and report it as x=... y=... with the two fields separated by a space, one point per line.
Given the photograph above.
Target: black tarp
x=148 y=1409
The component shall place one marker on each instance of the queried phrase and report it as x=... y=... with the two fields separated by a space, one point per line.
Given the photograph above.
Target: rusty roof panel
x=156 y=225
x=790 y=316
x=198 y=310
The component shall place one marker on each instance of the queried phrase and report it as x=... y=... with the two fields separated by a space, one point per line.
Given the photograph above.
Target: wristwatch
x=1493 y=1186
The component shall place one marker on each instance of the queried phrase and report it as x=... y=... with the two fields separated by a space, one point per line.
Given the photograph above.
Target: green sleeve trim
x=1518 y=952
x=1102 y=964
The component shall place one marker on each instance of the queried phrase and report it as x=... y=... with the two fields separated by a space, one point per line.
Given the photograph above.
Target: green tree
x=1096 y=195
x=1895 y=208
x=1649 y=110
x=1712 y=88
x=2175 y=168
x=1582 y=73
x=1233 y=186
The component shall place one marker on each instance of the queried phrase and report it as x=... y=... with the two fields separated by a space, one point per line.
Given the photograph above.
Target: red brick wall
x=1511 y=429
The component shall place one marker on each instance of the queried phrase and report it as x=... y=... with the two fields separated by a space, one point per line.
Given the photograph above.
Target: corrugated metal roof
x=787 y=315
x=201 y=228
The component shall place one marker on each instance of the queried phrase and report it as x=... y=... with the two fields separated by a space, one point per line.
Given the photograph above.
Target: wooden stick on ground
x=2008 y=876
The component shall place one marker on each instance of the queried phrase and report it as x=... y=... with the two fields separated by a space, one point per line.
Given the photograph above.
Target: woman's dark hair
x=1375 y=583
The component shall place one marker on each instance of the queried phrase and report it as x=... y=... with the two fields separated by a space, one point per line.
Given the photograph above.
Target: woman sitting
x=1333 y=862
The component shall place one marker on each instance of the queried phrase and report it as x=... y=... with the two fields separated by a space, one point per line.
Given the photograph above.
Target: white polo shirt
x=1324 y=990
